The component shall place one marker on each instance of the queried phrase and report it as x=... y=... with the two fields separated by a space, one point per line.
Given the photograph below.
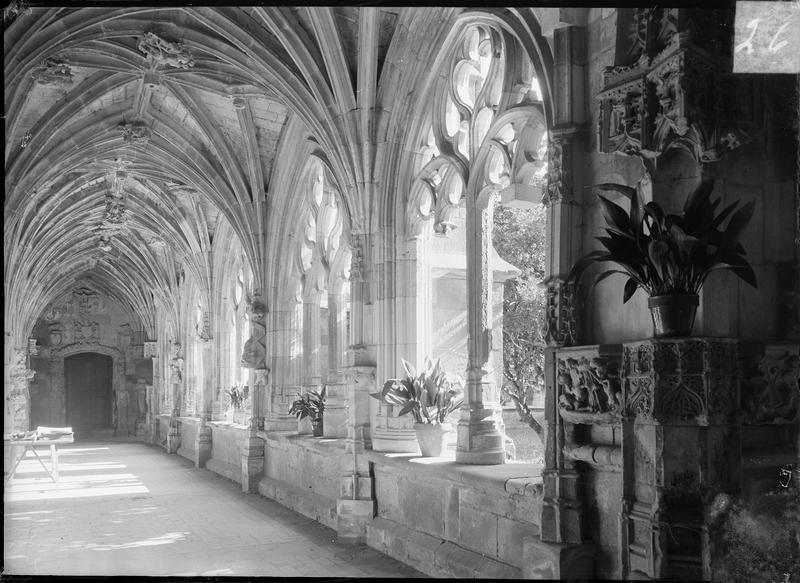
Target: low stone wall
x=303 y=473
x=452 y=520
x=189 y=426
x=226 y=450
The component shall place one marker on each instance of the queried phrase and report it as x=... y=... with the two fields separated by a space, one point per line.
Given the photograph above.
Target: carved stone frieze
x=559 y=321
x=53 y=71
x=162 y=52
x=589 y=385
x=770 y=386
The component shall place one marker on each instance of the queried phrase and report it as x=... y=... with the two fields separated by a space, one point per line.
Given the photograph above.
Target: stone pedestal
x=355 y=506
x=544 y=560
x=174 y=435
x=335 y=416
x=252 y=462
x=202 y=446
x=681 y=446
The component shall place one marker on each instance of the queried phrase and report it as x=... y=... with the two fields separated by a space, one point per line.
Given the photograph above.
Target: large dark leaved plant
x=668 y=254
x=430 y=395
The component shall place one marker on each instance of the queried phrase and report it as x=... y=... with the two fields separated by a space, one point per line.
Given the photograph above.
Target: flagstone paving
x=130 y=509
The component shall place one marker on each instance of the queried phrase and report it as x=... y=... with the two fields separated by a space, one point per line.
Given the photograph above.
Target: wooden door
x=88 y=388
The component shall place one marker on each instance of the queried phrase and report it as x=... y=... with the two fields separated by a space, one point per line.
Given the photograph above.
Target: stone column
x=286 y=375
x=335 y=416
x=254 y=358
x=18 y=402
x=560 y=553
x=177 y=382
x=480 y=428
x=204 y=435
x=391 y=432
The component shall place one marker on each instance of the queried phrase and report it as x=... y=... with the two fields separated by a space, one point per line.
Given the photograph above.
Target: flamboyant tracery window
x=483 y=141
x=483 y=84
x=238 y=330
x=323 y=263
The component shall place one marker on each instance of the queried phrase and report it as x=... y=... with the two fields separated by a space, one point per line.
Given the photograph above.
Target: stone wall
x=226 y=450
x=303 y=474
x=451 y=520
x=85 y=321
x=188 y=432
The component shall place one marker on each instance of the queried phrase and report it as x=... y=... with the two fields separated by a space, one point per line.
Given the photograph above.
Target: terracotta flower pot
x=432 y=438
x=673 y=315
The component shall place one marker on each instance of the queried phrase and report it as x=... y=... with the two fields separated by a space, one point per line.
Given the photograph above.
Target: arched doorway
x=88 y=380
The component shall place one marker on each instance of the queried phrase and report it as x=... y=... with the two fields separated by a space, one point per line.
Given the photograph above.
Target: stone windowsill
x=516 y=479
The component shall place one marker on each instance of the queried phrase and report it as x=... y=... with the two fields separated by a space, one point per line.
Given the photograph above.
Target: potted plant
x=430 y=396
x=669 y=255
x=238 y=398
x=311 y=405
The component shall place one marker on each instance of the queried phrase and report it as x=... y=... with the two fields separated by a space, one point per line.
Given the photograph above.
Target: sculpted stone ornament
x=26 y=139
x=134 y=132
x=559 y=321
x=255 y=350
x=53 y=71
x=162 y=52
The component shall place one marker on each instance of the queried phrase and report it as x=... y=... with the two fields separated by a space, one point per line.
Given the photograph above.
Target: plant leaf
x=630 y=289
x=615 y=215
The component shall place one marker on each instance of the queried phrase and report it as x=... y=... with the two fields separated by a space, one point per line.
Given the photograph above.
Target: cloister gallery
x=212 y=210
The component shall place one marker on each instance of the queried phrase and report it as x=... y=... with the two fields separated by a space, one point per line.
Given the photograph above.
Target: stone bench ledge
x=324 y=445
x=516 y=479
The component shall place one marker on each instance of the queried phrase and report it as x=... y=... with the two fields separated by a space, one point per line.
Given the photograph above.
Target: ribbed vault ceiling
x=131 y=133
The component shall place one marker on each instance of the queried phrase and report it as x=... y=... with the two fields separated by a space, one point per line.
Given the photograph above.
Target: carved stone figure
x=53 y=71
x=163 y=52
x=771 y=388
x=255 y=351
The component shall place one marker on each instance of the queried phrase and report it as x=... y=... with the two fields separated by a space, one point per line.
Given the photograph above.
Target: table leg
x=16 y=461
x=54 y=460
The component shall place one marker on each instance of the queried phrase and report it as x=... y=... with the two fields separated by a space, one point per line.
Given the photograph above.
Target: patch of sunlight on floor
x=71 y=450
x=216 y=572
x=23 y=489
x=164 y=539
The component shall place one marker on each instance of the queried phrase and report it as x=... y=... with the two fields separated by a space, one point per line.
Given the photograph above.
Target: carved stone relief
x=770 y=387
x=679 y=380
x=660 y=96
x=589 y=387
x=162 y=52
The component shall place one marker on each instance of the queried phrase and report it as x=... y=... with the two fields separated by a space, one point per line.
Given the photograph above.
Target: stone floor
x=130 y=509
